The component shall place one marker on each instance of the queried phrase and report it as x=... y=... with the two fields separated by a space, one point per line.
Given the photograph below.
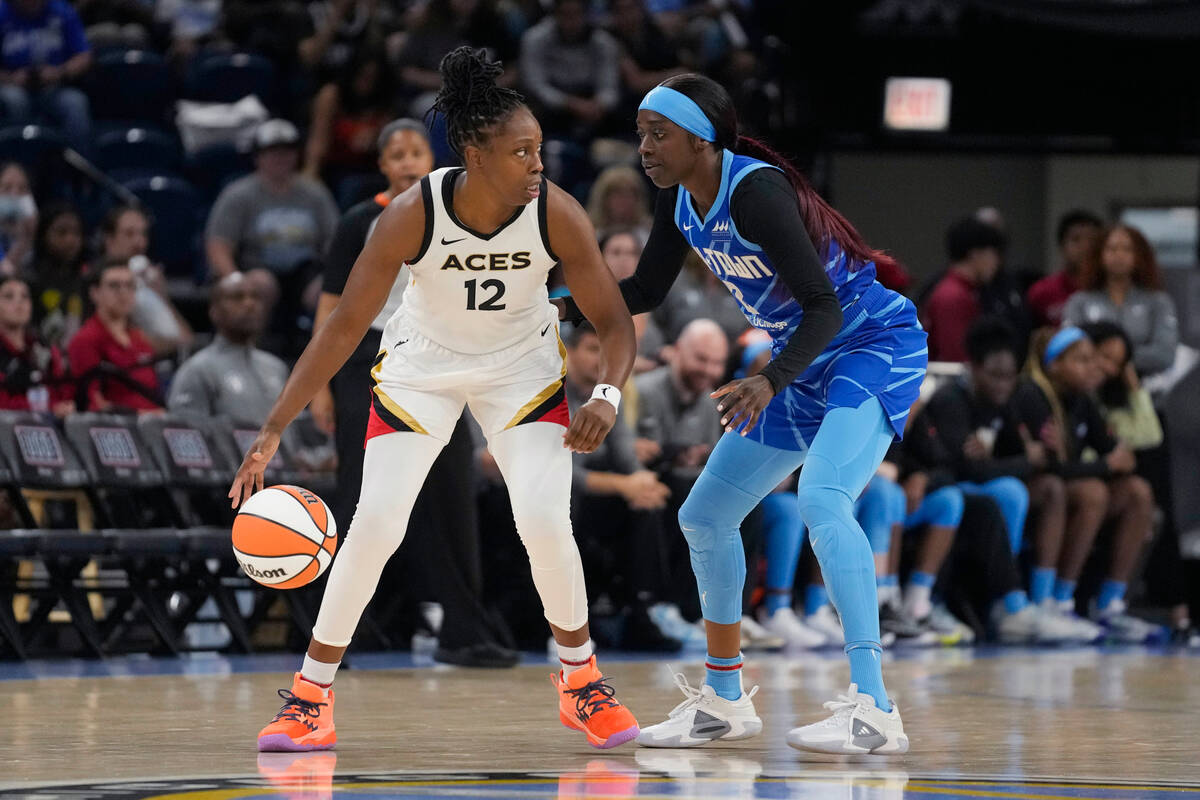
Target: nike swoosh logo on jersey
x=685 y=227
x=453 y=241
x=548 y=324
x=402 y=341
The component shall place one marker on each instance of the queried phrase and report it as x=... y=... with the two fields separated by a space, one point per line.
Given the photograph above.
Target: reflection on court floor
x=662 y=774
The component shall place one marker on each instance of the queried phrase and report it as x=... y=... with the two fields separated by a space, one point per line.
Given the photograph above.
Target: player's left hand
x=744 y=400
x=591 y=424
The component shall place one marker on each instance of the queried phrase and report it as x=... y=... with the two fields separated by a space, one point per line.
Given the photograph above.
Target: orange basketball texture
x=284 y=537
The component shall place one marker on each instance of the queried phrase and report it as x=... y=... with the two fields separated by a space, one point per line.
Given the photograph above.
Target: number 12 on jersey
x=489 y=303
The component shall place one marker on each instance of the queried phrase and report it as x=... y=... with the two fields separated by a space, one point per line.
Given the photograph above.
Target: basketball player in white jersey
x=475 y=328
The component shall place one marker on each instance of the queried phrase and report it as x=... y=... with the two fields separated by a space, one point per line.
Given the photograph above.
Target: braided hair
x=469 y=98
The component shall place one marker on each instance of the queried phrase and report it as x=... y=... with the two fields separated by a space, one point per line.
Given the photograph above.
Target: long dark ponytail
x=469 y=98
x=822 y=221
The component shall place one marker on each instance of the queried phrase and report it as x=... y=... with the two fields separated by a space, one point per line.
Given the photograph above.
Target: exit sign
x=916 y=104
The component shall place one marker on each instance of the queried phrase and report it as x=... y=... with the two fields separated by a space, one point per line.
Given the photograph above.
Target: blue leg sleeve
x=1012 y=496
x=845 y=453
x=739 y=474
x=943 y=507
x=876 y=512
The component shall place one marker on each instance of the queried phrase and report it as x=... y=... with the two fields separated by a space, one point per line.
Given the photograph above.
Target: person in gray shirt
x=232 y=378
x=571 y=71
x=1121 y=283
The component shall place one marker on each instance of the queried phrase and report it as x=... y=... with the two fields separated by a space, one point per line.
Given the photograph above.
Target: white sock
x=318 y=672
x=887 y=594
x=917 y=601
x=574 y=658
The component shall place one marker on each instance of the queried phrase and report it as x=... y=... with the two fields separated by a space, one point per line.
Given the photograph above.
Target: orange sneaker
x=586 y=703
x=304 y=723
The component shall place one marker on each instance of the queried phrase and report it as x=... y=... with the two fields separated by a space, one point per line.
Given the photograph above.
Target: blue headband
x=1060 y=342
x=680 y=109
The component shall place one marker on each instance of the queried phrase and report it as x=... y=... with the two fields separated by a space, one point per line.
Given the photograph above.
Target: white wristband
x=609 y=394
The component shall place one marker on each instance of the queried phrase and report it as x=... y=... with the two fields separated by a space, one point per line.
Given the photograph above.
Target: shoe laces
x=592 y=698
x=696 y=697
x=294 y=707
x=843 y=707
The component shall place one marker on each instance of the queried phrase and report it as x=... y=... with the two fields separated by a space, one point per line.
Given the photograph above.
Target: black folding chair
x=48 y=469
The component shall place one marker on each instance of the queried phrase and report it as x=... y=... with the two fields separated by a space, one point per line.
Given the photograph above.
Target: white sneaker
x=825 y=622
x=756 y=637
x=1085 y=630
x=856 y=727
x=667 y=619
x=949 y=628
x=784 y=623
x=703 y=717
x=1124 y=628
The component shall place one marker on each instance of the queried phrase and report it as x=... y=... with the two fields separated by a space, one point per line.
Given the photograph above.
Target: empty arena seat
x=196 y=464
x=136 y=152
x=177 y=211
x=228 y=77
x=126 y=479
x=212 y=167
x=38 y=148
x=133 y=85
x=37 y=453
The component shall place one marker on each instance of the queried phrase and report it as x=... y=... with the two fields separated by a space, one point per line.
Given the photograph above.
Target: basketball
x=284 y=537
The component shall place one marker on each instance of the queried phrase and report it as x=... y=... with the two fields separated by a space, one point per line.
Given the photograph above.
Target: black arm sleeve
x=764 y=210
x=659 y=265
x=348 y=240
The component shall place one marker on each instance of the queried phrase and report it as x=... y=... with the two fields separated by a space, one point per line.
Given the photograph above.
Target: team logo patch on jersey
x=721 y=230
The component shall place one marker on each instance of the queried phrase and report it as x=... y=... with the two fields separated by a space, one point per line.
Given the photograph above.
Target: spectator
x=616 y=508
x=1120 y=282
x=42 y=50
x=231 y=377
x=1077 y=232
x=571 y=73
x=110 y=358
x=273 y=224
x=648 y=57
x=619 y=199
x=347 y=116
x=443 y=26
x=1130 y=413
x=32 y=373
x=191 y=24
x=18 y=219
x=954 y=303
x=126 y=232
x=57 y=278
x=337 y=29
x=621 y=249
x=1069 y=424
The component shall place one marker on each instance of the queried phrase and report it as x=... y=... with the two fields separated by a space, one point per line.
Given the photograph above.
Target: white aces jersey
x=472 y=292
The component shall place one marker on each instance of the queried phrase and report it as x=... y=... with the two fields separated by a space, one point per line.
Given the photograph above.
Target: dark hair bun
x=467 y=77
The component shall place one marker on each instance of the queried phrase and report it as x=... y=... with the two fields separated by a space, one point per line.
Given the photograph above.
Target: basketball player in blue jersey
x=848 y=357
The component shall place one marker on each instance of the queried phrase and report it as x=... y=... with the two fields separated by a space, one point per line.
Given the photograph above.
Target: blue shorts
x=879 y=352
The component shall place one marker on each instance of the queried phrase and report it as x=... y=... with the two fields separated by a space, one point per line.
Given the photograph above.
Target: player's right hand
x=249 y=478
x=591 y=424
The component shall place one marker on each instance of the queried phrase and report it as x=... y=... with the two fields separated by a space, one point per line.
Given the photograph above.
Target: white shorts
x=421 y=386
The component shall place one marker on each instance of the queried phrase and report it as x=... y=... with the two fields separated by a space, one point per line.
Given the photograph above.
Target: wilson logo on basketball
x=262 y=573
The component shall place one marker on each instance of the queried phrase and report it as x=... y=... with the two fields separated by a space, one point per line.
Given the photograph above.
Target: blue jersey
x=879 y=351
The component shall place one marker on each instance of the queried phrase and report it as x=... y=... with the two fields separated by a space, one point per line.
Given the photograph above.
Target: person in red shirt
x=108 y=354
x=32 y=373
x=974 y=249
x=1077 y=232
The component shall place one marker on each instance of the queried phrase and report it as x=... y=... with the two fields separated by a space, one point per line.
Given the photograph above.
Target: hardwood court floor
x=1091 y=723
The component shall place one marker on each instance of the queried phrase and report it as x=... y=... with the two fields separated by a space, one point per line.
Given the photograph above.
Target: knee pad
x=945 y=507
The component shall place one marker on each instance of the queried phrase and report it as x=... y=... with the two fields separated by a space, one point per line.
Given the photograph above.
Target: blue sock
x=1015 y=600
x=815 y=598
x=922 y=579
x=777 y=599
x=1064 y=590
x=724 y=675
x=867 y=671
x=1041 y=585
x=884 y=581
x=1110 y=591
